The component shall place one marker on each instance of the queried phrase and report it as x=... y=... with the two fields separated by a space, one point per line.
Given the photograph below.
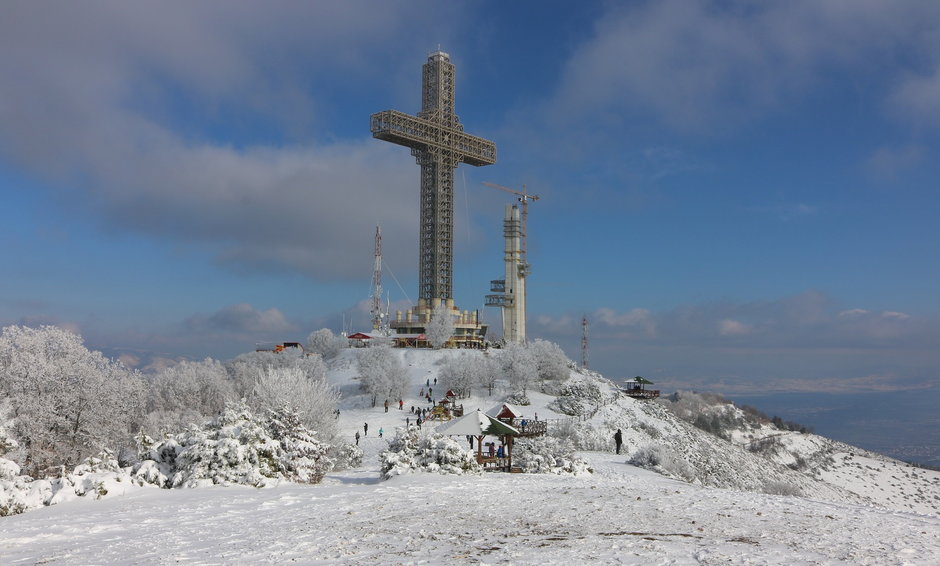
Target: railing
x=641 y=393
x=494 y=464
x=532 y=428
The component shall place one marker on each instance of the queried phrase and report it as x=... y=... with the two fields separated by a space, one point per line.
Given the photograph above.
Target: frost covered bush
x=441 y=328
x=325 y=343
x=187 y=393
x=345 y=456
x=65 y=401
x=781 y=488
x=519 y=366
x=709 y=412
x=577 y=398
x=308 y=393
x=552 y=365
x=547 y=455
x=96 y=476
x=663 y=460
x=409 y=452
x=237 y=447
x=381 y=373
x=518 y=398
x=583 y=435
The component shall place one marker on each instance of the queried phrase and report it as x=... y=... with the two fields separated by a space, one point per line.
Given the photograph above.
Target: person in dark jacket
x=618 y=439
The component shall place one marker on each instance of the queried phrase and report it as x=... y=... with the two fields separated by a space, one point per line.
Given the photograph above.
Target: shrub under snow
x=547 y=455
x=409 y=451
x=345 y=456
x=237 y=447
x=663 y=460
x=578 y=397
x=96 y=476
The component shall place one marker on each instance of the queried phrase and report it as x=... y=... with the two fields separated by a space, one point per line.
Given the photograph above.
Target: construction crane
x=524 y=198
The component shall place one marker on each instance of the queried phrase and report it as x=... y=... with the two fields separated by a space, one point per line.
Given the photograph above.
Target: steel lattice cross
x=439 y=144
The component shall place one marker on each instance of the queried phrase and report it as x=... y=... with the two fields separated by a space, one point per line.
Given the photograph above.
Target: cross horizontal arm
x=418 y=133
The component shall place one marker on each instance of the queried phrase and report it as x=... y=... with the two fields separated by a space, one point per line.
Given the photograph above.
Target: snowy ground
x=620 y=514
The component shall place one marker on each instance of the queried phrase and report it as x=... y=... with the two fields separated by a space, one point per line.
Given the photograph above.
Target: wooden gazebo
x=636 y=388
x=513 y=416
x=479 y=425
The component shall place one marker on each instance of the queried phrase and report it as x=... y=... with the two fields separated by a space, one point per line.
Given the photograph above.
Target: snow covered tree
x=246 y=369
x=313 y=399
x=520 y=366
x=187 y=393
x=381 y=373
x=409 y=452
x=67 y=402
x=237 y=447
x=325 y=343
x=304 y=458
x=551 y=364
x=457 y=373
x=441 y=328
x=486 y=371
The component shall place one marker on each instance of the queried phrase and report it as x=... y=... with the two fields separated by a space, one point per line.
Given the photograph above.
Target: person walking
x=381 y=432
x=401 y=405
x=357 y=438
x=386 y=405
x=365 y=429
x=618 y=439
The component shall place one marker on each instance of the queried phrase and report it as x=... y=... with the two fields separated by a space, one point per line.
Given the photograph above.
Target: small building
x=636 y=388
x=513 y=416
x=480 y=425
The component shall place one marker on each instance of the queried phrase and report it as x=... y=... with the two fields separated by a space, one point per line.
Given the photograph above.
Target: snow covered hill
x=618 y=515
x=757 y=457
x=759 y=496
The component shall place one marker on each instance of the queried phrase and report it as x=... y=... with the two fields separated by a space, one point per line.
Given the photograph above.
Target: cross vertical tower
x=439 y=144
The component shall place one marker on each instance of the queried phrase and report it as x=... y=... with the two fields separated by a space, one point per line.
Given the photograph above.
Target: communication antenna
x=584 y=342
x=376 y=310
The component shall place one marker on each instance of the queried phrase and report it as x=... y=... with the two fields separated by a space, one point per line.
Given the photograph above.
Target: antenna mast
x=376 y=310
x=584 y=342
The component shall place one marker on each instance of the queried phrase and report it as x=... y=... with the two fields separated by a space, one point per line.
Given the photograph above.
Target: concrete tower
x=512 y=289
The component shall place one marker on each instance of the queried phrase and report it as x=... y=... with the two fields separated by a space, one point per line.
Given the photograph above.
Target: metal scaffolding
x=439 y=144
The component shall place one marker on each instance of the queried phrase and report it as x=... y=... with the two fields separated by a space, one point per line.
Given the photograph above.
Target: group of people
x=365 y=432
x=493 y=451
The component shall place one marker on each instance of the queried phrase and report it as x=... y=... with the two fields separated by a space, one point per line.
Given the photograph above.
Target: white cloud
x=889 y=162
x=728 y=327
x=243 y=318
x=697 y=64
x=126 y=108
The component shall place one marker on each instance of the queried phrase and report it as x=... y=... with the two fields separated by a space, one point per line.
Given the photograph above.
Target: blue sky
x=740 y=195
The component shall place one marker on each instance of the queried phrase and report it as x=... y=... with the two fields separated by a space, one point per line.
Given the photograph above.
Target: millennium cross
x=439 y=144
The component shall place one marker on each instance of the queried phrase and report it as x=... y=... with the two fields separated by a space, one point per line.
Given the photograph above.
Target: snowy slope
x=827 y=469
x=619 y=514
x=856 y=507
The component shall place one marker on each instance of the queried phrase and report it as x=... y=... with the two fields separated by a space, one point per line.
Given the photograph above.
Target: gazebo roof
x=505 y=411
x=477 y=423
x=643 y=380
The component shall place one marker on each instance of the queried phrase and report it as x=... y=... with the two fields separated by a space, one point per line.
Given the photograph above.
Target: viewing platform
x=636 y=388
